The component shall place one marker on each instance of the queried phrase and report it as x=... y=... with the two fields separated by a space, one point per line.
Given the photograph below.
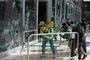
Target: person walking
x=84 y=25
x=72 y=43
x=52 y=24
x=66 y=28
x=46 y=38
x=80 y=31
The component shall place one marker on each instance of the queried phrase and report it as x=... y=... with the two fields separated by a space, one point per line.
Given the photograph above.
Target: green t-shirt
x=67 y=36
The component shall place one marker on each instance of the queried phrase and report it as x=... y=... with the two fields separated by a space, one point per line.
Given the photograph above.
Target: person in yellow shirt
x=46 y=38
x=52 y=24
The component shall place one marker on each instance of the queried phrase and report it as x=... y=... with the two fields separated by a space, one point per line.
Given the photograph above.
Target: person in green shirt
x=68 y=37
x=66 y=28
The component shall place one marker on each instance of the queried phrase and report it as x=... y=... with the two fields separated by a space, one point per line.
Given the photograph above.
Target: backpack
x=67 y=36
x=47 y=30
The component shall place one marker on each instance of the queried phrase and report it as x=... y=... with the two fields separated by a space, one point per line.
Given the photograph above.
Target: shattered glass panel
x=11 y=26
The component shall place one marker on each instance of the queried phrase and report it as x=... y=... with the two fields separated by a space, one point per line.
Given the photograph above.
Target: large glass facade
x=56 y=10
x=12 y=24
x=17 y=16
x=19 y=19
x=30 y=21
x=53 y=7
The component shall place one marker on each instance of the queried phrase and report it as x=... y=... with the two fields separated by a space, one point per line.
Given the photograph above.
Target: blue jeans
x=84 y=45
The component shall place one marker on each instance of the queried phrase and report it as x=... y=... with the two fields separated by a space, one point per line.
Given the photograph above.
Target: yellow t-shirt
x=50 y=36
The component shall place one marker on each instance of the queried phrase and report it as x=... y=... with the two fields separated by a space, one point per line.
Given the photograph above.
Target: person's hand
x=85 y=34
x=60 y=34
x=61 y=30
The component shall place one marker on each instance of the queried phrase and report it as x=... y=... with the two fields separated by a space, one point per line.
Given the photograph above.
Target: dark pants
x=73 y=48
x=79 y=50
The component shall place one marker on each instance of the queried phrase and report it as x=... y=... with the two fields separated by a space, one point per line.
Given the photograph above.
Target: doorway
x=42 y=12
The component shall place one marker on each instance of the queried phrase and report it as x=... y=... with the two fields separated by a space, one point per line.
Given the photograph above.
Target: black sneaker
x=79 y=58
x=54 y=56
x=84 y=56
x=72 y=59
x=74 y=54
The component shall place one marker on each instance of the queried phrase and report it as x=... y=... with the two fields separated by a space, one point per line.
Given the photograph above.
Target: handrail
x=49 y=34
x=27 y=32
x=24 y=37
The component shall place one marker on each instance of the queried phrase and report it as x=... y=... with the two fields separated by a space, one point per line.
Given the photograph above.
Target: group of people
x=80 y=28
x=66 y=27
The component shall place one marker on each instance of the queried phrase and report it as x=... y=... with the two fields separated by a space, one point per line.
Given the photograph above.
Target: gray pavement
x=48 y=56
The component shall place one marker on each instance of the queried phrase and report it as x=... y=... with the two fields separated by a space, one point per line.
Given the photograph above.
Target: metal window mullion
x=37 y=14
x=55 y=8
x=70 y=12
x=60 y=9
x=59 y=12
x=60 y=22
x=23 y=12
x=64 y=11
x=55 y=13
x=23 y=16
x=74 y=13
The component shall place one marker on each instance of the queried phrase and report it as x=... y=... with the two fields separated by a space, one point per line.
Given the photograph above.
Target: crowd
x=67 y=26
